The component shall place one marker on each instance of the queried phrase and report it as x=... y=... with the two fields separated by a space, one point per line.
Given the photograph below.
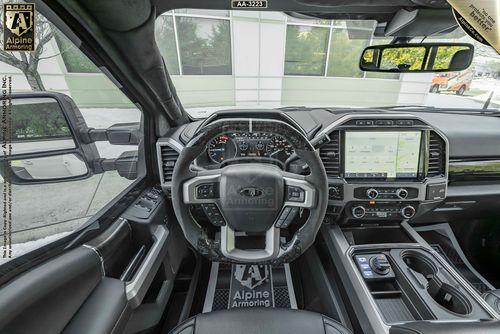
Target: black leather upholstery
x=260 y=320
x=427 y=327
x=102 y=311
x=493 y=298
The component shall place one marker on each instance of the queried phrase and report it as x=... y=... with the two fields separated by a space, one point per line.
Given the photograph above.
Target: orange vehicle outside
x=458 y=82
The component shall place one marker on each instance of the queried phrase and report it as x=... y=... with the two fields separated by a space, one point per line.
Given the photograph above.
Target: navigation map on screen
x=388 y=154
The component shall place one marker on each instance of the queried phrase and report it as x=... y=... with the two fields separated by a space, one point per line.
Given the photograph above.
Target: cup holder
x=420 y=264
x=449 y=298
x=443 y=293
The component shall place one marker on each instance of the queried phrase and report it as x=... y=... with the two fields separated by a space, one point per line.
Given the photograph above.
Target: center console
x=393 y=278
x=383 y=167
x=384 y=171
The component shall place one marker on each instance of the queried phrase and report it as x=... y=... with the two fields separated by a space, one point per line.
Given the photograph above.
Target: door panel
x=49 y=295
x=103 y=312
x=118 y=282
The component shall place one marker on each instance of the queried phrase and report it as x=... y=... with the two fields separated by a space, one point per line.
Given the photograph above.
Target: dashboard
x=381 y=166
x=234 y=145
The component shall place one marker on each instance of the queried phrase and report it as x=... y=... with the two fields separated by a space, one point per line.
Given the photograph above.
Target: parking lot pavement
x=41 y=210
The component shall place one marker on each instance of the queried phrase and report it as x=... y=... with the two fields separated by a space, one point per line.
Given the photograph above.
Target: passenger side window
x=42 y=212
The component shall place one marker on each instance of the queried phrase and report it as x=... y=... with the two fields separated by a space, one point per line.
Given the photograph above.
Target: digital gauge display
x=229 y=146
x=221 y=148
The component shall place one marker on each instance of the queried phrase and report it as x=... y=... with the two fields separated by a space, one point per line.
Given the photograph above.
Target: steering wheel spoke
x=230 y=250
x=299 y=192
x=203 y=188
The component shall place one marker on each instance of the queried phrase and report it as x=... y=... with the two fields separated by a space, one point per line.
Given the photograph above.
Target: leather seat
x=259 y=321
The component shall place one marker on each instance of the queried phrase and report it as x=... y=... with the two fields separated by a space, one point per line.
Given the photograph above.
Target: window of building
x=195 y=42
x=165 y=38
x=344 y=54
x=329 y=48
x=305 y=51
x=204 y=46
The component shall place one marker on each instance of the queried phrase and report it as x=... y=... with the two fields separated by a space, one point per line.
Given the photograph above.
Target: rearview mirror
x=424 y=57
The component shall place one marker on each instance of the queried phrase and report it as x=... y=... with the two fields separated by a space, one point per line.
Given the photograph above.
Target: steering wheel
x=255 y=198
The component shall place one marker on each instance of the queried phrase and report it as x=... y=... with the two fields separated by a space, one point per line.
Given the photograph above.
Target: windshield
x=247 y=59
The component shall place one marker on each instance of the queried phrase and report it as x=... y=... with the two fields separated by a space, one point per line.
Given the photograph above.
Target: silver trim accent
x=189 y=189
x=402 y=191
x=309 y=193
x=358 y=207
x=212 y=282
x=369 y=191
x=136 y=288
x=172 y=144
x=356 y=115
x=424 y=245
x=103 y=271
x=408 y=207
x=229 y=250
x=289 y=285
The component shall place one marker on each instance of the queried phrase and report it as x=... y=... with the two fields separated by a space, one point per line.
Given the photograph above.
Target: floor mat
x=237 y=285
x=441 y=238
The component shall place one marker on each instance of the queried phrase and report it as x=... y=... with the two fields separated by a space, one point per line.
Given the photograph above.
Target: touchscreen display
x=388 y=154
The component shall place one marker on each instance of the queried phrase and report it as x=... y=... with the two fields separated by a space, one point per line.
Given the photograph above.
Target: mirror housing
x=116 y=134
x=417 y=58
x=51 y=142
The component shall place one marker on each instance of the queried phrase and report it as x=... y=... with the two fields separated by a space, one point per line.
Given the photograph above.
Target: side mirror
x=48 y=141
x=424 y=57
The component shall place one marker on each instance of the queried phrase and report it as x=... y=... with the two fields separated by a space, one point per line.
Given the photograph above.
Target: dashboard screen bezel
x=421 y=157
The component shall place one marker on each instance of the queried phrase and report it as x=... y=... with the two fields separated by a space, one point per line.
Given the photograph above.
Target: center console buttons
x=408 y=212
x=358 y=212
x=402 y=193
x=372 y=193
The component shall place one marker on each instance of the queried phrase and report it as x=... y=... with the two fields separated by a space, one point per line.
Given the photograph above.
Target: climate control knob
x=408 y=212
x=358 y=212
x=402 y=193
x=372 y=193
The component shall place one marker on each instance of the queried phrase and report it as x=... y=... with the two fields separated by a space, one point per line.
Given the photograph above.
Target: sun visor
x=421 y=22
x=119 y=15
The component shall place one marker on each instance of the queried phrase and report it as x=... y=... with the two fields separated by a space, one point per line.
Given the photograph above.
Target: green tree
x=165 y=39
x=344 y=54
x=28 y=62
x=305 y=52
x=204 y=45
x=74 y=59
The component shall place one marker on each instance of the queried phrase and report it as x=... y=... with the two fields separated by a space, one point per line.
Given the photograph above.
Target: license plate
x=248 y=4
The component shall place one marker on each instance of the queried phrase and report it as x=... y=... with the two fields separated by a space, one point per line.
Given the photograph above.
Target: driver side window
x=56 y=182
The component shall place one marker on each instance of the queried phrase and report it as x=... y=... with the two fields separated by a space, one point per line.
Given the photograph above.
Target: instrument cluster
x=241 y=145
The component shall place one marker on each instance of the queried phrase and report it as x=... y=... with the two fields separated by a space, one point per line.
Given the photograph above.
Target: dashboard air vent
x=437 y=155
x=330 y=155
x=168 y=158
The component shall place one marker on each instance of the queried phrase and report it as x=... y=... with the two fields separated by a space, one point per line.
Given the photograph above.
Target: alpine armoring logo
x=19 y=27
x=251 y=276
